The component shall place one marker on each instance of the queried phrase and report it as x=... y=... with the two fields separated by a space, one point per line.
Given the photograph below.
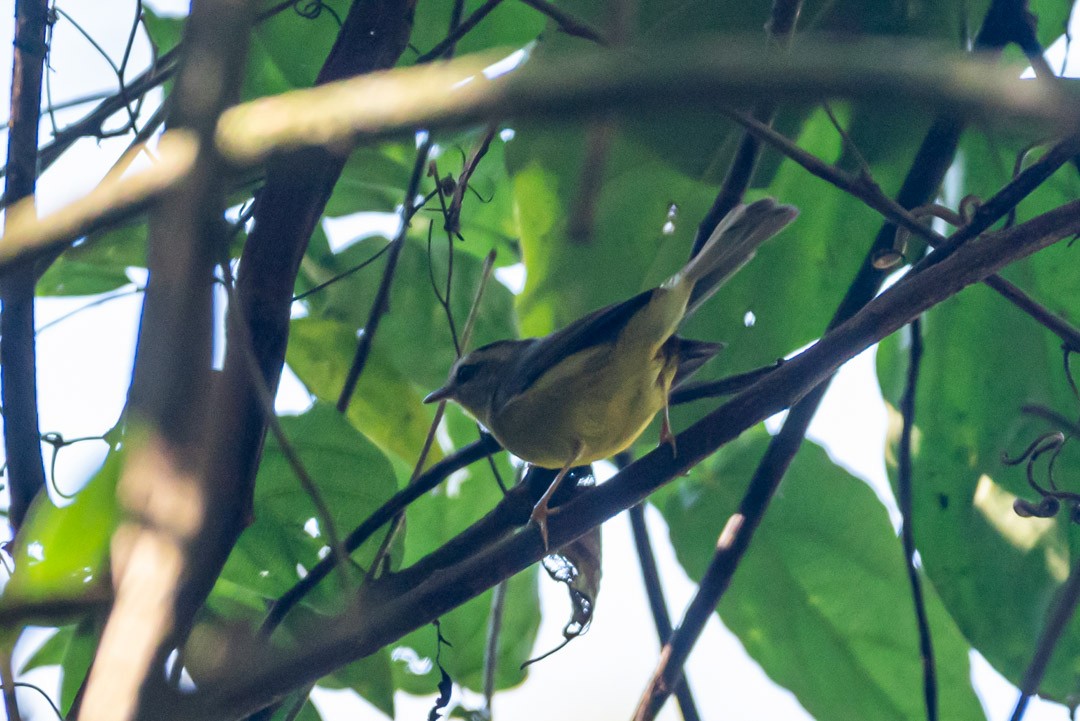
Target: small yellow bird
x=586 y=392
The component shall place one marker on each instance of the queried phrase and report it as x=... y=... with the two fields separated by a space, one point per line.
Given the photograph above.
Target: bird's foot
x=539 y=516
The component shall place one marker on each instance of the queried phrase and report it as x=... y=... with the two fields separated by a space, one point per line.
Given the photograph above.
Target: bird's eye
x=466 y=373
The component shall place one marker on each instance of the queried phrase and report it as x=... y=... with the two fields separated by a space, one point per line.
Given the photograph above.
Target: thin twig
x=566 y=22
x=491 y=647
x=1060 y=614
x=239 y=326
x=779 y=30
x=907 y=529
x=7 y=679
x=381 y=303
x=1004 y=200
x=447 y=44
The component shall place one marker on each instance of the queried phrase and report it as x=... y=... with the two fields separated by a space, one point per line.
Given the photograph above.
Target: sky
x=85 y=366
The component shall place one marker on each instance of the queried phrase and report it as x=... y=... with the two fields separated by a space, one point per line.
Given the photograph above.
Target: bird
x=587 y=391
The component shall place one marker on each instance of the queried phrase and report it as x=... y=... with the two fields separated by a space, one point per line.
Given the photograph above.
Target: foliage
x=822 y=600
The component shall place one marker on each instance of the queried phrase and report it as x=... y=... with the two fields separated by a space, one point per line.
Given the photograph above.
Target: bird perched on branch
x=586 y=392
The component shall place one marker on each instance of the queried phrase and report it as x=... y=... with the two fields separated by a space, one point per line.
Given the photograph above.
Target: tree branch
x=164 y=490
x=18 y=353
x=585 y=84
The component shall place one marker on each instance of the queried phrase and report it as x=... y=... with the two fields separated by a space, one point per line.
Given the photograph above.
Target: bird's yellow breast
x=598 y=400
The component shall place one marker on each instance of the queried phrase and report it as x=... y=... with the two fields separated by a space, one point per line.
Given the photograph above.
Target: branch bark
x=18 y=352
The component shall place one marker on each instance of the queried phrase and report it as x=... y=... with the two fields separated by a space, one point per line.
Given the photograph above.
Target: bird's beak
x=441 y=394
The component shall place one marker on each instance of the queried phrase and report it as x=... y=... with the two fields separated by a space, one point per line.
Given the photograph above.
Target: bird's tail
x=731 y=246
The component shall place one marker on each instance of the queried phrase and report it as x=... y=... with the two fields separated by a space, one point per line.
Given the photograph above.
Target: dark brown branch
x=427 y=480
x=402 y=602
x=779 y=29
x=18 y=352
x=657 y=605
x=289 y=206
x=904 y=493
x=1061 y=613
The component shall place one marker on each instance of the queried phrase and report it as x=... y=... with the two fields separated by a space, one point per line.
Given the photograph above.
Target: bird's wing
x=600 y=326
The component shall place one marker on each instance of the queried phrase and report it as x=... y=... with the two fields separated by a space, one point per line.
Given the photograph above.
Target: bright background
x=84 y=370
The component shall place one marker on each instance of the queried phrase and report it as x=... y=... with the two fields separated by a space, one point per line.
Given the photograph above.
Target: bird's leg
x=666 y=436
x=541 y=510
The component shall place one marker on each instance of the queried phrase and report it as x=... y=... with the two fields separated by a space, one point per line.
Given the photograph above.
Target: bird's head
x=475 y=377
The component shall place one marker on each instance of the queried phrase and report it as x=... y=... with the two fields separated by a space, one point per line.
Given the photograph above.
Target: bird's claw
x=539 y=516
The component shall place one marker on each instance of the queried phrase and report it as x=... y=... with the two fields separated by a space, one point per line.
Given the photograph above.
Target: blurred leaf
x=98 y=264
x=430 y=522
x=165 y=32
x=78 y=656
x=50 y=653
x=846 y=654
x=63 y=552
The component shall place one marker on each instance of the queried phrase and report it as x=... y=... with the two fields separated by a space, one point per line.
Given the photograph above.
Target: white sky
x=85 y=366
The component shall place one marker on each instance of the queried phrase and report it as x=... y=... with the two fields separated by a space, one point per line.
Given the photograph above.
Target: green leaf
x=63 y=552
x=165 y=32
x=821 y=600
x=50 y=653
x=509 y=26
x=354 y=479
x=98 y=264
x=386 y=408
x=414 y=313
x=78 y=656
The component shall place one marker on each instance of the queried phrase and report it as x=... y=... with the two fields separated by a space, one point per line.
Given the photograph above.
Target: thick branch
x=586 y=84
x=164 y=491
x=18 y=354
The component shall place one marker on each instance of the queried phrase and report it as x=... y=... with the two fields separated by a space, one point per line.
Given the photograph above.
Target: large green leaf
x=996 y=572
x=821 y=599
x=430 y=522
x=354 y=478
x=386 y=407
